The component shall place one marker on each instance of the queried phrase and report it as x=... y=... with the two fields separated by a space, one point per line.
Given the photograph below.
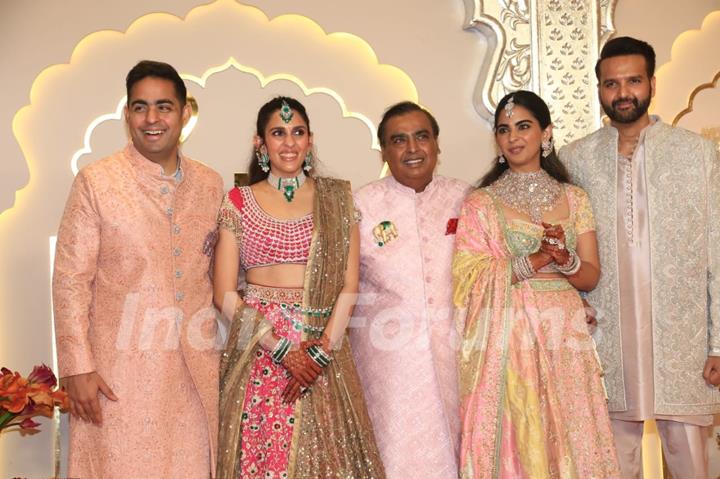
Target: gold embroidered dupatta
x=333 y=435
x=481 y=296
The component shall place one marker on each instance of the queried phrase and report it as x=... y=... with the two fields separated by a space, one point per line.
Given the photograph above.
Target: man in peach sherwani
x=132 y=297
x=403 y=336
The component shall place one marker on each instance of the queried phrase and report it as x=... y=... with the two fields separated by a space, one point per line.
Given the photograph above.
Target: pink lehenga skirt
x=540 y=399
x=268 y=422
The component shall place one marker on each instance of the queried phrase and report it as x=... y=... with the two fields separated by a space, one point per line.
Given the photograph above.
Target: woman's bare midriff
x=277 y=275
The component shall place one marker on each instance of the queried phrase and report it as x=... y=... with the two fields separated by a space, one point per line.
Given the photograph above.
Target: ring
x=552 y=241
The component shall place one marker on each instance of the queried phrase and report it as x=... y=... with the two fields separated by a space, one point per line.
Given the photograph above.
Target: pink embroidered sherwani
x=402 y=333
x=132 y=300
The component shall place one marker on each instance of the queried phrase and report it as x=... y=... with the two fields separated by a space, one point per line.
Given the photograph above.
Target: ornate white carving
x=549 y=47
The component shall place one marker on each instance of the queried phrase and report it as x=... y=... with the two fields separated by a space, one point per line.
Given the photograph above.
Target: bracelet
x=280 y=350
x=317 y=354
x=522 y=268
x=572 y=266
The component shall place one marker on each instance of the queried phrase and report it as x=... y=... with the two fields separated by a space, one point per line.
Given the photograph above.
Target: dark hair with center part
x=264 y=114
x=403 y=108
x=540 y=111
x=165 y=71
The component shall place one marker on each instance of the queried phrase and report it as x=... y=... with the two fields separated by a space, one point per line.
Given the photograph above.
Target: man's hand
x=711 y=373
x=590 y=316
x=83 y=390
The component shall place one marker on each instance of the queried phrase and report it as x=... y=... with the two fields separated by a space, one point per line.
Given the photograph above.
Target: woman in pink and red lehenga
x=290 y=398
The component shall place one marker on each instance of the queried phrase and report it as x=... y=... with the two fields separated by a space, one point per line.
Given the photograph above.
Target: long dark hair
x=537 y=107
x=254 y=171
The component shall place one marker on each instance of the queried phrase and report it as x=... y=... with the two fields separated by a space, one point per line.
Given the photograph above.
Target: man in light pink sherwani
x=655 y=191
x=132 y=297
x=402 y=333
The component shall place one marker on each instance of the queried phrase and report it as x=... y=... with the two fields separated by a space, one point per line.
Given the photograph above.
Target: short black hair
x=627 y=46
x=150 y=68
x=401 y=109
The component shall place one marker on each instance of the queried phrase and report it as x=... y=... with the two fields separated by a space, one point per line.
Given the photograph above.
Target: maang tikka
x=286 y=113
x=509 y=107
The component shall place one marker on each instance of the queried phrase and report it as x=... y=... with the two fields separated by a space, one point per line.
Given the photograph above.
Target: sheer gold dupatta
x=335 y=437
x=235 y=364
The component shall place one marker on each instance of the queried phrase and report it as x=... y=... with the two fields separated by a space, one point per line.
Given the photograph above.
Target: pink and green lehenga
x=327 y=432
x=532 y=399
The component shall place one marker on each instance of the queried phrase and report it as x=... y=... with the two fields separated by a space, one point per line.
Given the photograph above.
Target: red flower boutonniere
x=451 y=227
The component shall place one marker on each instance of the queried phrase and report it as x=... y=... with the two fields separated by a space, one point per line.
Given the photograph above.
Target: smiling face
x=155 y=118
x=625 y=90
x=520 y=138
x=410 y=149
x=287 y=144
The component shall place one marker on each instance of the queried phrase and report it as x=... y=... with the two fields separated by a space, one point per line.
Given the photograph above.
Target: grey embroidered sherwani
x=683 y=190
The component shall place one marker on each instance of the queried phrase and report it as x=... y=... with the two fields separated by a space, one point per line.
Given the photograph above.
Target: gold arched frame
x=691 y=99
x=25 y=130
x=201 y=81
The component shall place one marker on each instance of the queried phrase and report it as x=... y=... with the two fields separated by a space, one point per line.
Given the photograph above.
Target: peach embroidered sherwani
x=132 y=299
x=402 y=333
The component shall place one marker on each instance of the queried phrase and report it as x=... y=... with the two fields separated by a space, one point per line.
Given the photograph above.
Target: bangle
x=280 y=350
x=317 y=354
x=572 y=266
x=522 y=268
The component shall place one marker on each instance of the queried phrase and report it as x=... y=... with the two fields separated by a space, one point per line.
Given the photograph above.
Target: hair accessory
x=263 y=159
x=547 y=146
x=509 y=107
x=286 y=114
x=308 y=161
x=501 y=159
x=287 y=185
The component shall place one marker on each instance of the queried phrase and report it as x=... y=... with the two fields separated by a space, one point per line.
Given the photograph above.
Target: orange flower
x=13 y=391
x=21 y=398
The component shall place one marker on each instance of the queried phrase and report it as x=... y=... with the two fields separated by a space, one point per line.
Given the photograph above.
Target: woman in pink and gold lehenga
x=532 y=398
x=291 y=405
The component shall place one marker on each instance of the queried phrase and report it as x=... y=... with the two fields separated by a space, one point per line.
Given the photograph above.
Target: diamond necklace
x=531 y=193
x=287 y=185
